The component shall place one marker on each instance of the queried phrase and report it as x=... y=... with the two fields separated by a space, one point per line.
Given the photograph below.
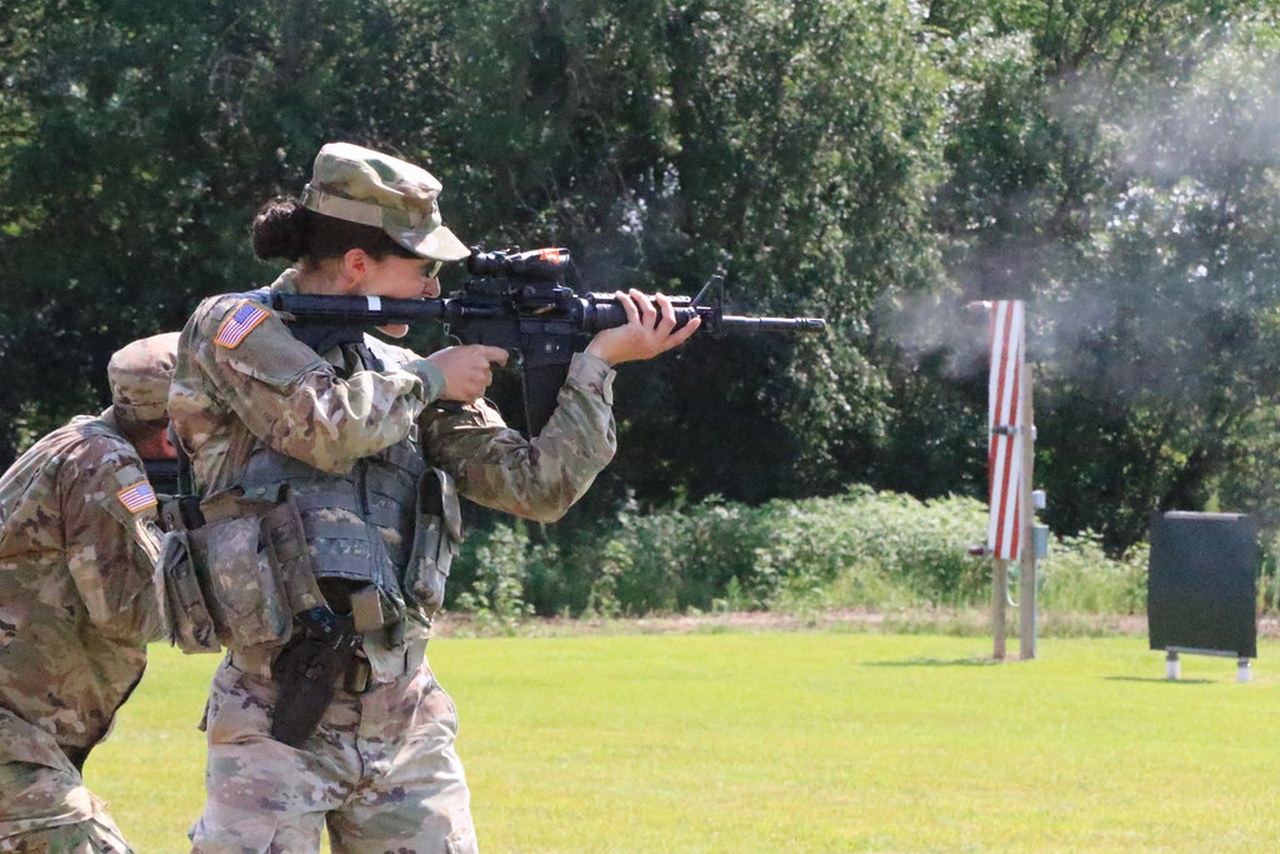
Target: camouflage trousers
x=44 y=805
x=79 y=823
x=380 y=772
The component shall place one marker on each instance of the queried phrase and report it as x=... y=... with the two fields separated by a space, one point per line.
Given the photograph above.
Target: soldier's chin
x=394 y=330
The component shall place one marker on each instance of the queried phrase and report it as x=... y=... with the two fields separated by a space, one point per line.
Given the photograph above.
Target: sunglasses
x=430 y=271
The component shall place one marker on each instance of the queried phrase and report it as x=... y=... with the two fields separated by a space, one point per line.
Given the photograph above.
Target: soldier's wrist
x=433 y=379
x=590 y=371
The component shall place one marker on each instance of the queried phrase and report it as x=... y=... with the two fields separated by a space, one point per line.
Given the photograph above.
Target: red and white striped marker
x=1005 y=416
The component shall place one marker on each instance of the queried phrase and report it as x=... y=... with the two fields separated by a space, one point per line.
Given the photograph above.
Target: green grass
x=820 y=741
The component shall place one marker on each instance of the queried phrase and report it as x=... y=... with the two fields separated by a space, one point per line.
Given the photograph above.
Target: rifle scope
x=544 y=265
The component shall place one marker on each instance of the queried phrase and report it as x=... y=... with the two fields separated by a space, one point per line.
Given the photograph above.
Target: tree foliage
x=878 y=163
x=1132 y=203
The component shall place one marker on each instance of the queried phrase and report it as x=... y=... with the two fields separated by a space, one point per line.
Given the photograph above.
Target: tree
x=796 y=141
x=877 y=163
x=139 y=139
x=1139 y=221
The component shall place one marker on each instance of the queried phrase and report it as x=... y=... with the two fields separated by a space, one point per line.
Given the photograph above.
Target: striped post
x=1010 y=457
x=1004 y=419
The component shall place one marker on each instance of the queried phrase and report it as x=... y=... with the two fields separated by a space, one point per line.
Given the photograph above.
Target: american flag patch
x=140 y=496
x=238 y=326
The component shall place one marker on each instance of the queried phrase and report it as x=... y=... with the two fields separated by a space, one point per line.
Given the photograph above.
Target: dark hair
x=283 y=228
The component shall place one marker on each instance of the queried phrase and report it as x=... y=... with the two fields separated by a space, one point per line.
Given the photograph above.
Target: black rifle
x=523 y=303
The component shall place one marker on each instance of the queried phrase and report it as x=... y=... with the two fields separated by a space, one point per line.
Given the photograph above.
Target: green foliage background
x=883 y=552
x=878 y=163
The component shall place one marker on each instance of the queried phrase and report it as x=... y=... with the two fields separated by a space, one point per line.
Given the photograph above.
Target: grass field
x=822 y=741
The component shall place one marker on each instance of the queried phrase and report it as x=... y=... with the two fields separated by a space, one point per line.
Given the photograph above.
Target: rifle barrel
x=774 y=324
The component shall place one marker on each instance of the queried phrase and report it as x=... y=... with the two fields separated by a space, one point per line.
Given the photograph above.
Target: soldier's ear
x=355 y=266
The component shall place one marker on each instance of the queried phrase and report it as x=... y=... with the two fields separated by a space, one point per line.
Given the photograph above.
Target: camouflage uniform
x=380 y=770
x=78 y=542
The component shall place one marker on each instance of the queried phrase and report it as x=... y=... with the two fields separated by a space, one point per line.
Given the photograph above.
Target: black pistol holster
x=307 y=670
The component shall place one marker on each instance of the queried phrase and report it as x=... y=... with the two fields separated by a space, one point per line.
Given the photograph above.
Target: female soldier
x=329 y=475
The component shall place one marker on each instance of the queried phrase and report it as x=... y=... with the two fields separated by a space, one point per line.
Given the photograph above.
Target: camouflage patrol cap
x=139 y=373
x=361 y=185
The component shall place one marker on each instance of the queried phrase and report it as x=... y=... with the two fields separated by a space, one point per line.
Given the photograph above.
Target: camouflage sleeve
x=290 y=398
x=112 y=537
x=537 y=479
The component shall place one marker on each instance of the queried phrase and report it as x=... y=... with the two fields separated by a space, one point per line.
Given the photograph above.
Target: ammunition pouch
x=437 y=538
x=184 y=597
x=244 y=573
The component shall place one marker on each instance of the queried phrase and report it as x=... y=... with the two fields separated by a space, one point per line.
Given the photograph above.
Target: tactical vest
x=387 y=531
x=358 y=526
x=390 y=528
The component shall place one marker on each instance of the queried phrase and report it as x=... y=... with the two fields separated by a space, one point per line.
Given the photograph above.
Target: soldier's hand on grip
x=467 y=369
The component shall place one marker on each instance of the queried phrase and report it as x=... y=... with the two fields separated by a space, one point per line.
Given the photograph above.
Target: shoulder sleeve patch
x=140 y=496
x=239 y=324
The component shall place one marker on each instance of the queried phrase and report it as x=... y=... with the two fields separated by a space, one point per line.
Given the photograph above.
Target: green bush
x=861 y=549
x=682 y=559
x=1078 y=577
x=868 y=542
x=499 y=561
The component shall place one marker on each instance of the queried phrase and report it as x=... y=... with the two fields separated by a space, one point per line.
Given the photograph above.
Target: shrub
x=1078 y=577
x=859 y=549
x=499 y=559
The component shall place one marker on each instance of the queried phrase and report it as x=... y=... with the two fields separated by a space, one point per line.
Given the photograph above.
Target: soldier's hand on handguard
x=467 y=369
x=650 y=330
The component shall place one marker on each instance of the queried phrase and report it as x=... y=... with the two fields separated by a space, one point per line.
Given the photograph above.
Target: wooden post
x=1027 y=560
x=999 y=596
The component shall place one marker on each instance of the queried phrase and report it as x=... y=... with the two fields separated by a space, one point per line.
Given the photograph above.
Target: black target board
x=1202 y=583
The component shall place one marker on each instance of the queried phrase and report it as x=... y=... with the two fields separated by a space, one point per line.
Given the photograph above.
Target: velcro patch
x=140 y=496
x=238 y=326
